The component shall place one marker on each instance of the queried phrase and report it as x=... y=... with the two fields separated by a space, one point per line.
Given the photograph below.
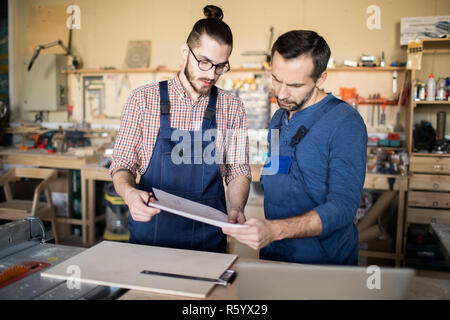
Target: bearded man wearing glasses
x=157 y=117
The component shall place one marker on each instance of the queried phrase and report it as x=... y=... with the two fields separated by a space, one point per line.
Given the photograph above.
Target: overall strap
x=210 y=112
x=164 y=104
x=317 y=115
x=275 y=123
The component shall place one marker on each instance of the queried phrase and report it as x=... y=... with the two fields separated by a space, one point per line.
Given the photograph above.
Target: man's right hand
x=136 y=201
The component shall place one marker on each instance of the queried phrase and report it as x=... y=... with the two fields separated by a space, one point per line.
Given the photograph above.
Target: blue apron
x=286 y=195
x=194 y=180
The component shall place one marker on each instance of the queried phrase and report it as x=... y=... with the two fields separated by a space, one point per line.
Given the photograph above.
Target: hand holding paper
x=192 y=210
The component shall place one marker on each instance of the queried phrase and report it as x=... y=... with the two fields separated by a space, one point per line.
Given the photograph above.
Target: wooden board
x=119 y=264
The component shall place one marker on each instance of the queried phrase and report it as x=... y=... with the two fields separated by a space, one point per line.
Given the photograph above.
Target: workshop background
x=65 y=115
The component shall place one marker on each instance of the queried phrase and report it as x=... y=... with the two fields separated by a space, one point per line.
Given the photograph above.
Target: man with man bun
x=157 y=117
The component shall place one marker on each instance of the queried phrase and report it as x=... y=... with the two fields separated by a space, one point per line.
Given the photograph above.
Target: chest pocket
x=278 y=165
x=182 y=169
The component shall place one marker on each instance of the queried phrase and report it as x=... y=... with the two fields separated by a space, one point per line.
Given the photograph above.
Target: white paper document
x=192 y=210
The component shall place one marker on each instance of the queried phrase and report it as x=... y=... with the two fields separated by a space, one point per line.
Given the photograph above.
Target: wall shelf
x=145 y=70
x=418 y=154
x=432 y=41
x=436 y=40
x=436 y=51
x=382 y=175
x=432 y=102
x=233 y=70
x=103 y=71
x=379 y=69
x=388 y=148
x=437 y=45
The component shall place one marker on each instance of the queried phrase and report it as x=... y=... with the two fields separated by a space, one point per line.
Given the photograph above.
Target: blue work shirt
x=330 y=162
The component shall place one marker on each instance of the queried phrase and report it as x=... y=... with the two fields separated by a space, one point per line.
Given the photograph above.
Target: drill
x=49 y=136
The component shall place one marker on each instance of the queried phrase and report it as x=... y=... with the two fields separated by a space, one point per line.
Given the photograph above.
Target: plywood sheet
x=120 y=264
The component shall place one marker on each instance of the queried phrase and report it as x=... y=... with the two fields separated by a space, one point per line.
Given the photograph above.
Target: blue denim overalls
x=286 y=194
x=196 y=181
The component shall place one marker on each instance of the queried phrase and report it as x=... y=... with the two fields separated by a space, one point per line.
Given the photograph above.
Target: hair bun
x=213 y=12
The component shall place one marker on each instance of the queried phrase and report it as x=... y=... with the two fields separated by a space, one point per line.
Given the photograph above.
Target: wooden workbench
x=40 y=158
x=89 y=174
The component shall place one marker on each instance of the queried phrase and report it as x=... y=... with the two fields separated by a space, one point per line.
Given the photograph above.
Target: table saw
x=23 y=246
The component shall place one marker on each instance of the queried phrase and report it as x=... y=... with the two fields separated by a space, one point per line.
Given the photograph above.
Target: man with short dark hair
x=157 y=120
x=315 y=172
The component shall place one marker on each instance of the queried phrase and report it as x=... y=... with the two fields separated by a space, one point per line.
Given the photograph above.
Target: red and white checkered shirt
x=141 y=119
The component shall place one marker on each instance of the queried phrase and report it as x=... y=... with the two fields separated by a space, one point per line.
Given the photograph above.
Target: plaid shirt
x=141 y=119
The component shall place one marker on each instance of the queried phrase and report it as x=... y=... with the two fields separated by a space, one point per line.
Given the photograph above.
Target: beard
x=294 y=105
x=202 y=90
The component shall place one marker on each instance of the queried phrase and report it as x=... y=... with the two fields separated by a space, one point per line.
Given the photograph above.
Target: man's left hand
x=258 y=234
x=236 y=215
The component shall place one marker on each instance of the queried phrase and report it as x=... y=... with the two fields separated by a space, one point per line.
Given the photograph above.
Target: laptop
x=292 y=281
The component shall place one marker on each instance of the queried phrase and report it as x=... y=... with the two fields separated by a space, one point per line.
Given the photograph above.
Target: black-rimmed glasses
x=206 y=65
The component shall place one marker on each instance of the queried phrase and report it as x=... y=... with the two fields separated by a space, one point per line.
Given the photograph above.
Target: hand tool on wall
x=377 y=96
x=406 y=89
x=394 y=82
x=371 y=101
x=356 y=103
x=398 y=126
x=373 y=112
x=402 y=101
x=124 y=83
x=383 y=115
